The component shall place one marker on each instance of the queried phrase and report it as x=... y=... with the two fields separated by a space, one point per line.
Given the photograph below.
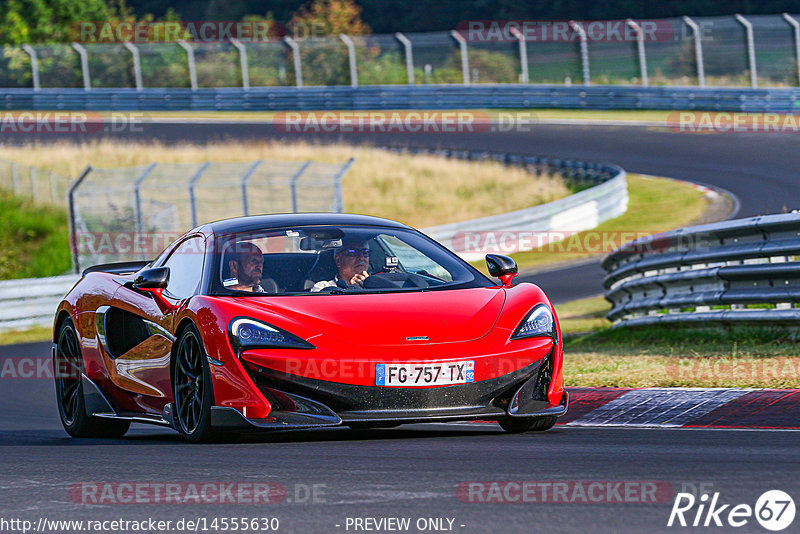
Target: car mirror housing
x=152 y=278
x=502 y=267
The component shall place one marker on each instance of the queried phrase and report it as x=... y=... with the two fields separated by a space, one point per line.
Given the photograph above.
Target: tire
x=68 y=367
x=537 y=424
x=192 y=389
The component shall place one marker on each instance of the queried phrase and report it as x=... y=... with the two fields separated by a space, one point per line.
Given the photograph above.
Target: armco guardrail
x=733 y=272
x=32 y=302
x=518 y=96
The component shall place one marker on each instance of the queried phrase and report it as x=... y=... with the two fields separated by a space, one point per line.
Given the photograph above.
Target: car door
x=138 y=332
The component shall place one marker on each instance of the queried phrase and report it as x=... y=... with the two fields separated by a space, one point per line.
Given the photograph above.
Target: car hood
x=386 y=318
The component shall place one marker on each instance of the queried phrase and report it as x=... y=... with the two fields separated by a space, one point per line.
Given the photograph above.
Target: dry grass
x=420 y=190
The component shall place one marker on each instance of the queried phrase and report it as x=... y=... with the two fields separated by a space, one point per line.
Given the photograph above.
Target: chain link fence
x=40 y=185
x=720 y=51
x=132 y=213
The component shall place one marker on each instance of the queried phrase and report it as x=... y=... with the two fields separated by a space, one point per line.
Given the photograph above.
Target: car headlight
x=246 y=333
x=538 y=322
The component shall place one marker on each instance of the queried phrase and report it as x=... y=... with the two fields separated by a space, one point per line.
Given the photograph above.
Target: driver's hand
x=358 y=278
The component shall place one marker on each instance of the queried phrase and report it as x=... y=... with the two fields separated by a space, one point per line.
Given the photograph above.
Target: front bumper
x=301 y=402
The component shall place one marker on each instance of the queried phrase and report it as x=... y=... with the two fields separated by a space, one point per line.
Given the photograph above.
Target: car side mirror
x=502 y=267
x=152 y=278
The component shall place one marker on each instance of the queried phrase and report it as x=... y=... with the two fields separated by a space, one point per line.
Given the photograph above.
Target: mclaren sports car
x=306 y=321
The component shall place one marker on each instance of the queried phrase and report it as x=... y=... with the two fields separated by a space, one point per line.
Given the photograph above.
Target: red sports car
x=303 y=321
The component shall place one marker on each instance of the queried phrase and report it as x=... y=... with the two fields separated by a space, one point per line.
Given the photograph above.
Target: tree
x=329 y=17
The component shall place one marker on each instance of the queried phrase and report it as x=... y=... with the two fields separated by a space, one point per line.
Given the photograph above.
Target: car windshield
x=324 y=260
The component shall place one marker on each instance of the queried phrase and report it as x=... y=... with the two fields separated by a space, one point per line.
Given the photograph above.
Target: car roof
x=280 y=220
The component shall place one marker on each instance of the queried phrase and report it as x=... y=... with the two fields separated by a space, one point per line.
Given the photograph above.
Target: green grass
x=33 y=240
x=30 y=335
x=655 y=205
x=668 y=357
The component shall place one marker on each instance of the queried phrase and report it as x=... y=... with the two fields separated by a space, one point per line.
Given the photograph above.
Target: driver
x=243 y=268
x=352 y=261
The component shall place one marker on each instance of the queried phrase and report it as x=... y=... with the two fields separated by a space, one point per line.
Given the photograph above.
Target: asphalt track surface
x=413 y=471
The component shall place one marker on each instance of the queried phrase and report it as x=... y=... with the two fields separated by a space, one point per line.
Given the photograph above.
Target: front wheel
x=191 y=388
x=538 y=424
x=68 y=369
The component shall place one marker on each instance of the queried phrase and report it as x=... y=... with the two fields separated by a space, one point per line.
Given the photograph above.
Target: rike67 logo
x=774 y=510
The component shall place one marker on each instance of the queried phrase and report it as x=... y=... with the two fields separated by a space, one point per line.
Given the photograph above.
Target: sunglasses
x=356 y=251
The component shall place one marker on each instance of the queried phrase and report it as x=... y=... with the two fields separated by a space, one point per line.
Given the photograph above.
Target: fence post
x=14 y=178
x=751 y=49
x=34 y=185
x=52 y=187
x=190 y=60
x=584 y=51
x=338 y=201
x=34 y=65
x=462 y=46
x=87 y=82
x=73 y=242
x=242 y=62
x=523 y=54
x=137 y=195
x=298 y=67
x=293 y=184
x=245 y=177
x=640 y=47
x=796 y=27
x=409 y=56
x=698 y=51
x=137 y=64
x=196 y=176
x=351 y=54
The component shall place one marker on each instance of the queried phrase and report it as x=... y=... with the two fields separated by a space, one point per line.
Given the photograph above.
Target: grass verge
x=33 y=239
x=404 y=187
x=30 y=335
x=669 y=357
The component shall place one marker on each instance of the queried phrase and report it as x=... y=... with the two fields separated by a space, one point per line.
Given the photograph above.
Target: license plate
x=424 y=374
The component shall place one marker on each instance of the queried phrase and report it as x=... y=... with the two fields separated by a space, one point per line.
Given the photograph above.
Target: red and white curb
x=683 y=407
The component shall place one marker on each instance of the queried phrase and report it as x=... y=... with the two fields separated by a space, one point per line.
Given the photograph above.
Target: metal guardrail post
x=53 y=187
x=245 y=178
x=409 y=56
x=293 y=184
x=34 y=65
x=338 y=200
x=698 y=51
x=34 y=185
x=87 y=82
x=640 y=48
x=796 y=30
x=462 y=46
x=584 y=51
x=298 y=67
x=137 y=65
x=193 y=180
x=14 y=178
x=190 y=61
x=137 y=195
x=71 y=208
x=523 y=54
x=351 y=55
x=751 y=49
x=242 y=62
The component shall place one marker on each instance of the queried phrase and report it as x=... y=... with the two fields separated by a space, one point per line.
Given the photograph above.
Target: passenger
x=243 y=268
x=352 y=261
